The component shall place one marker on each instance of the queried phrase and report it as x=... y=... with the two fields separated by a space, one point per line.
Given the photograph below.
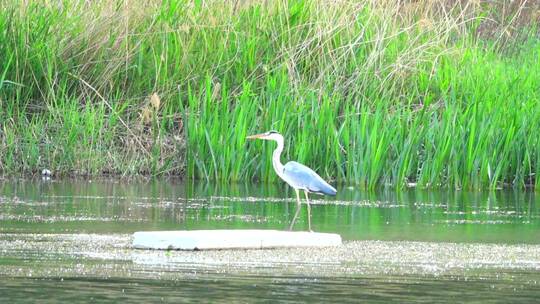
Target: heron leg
x=298 y=206
x=308 y=211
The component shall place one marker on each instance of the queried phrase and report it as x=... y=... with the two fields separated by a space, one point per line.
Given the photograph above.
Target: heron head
x=270 y=135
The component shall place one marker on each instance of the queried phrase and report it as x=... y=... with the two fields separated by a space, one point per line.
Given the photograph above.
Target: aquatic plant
x=375 y=94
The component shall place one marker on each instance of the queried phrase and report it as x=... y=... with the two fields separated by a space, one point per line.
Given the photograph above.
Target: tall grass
x=437 y=93
x=75 y=87
x=376 y=93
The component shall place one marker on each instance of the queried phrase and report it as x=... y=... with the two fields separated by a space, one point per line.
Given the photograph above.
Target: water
x=70 y=240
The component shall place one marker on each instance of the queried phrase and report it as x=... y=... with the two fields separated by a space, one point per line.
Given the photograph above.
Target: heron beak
x=256 y=136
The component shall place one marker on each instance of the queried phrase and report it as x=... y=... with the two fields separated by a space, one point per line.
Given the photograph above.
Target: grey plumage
x=296 y=175
x=302 y=177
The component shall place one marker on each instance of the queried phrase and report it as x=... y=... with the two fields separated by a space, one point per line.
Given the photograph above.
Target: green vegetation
x=369 y=92
x=76 y=80
x=375 y=93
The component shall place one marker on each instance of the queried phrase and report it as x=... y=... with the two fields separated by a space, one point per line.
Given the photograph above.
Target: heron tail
x=325 y=188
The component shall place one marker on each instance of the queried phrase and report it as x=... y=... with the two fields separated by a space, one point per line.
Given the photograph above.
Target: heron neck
x=276 y=161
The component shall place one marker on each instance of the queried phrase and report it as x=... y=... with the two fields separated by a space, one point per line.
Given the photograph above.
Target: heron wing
x=302 y=177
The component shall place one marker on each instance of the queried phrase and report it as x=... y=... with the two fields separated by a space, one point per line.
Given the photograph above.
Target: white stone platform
x=232 y=239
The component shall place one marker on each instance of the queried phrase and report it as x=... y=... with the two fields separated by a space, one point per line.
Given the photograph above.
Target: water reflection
x=109 y=206
x=500 y=216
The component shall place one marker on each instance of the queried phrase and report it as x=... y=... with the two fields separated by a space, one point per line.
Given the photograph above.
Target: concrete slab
x=232 y=239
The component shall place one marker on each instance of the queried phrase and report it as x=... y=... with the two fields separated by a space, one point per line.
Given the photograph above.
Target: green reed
x=428 y=107
x=365 y=92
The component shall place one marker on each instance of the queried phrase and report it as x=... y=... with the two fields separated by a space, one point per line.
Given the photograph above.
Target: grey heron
x=296 y=175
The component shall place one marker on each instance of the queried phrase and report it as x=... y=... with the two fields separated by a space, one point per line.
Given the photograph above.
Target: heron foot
x=291 y=226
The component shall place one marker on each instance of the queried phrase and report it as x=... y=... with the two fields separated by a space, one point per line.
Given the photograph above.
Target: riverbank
x=84 y=91
x=424 y=93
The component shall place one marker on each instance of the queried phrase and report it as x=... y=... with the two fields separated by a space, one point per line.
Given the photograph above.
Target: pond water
x=70 y=240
